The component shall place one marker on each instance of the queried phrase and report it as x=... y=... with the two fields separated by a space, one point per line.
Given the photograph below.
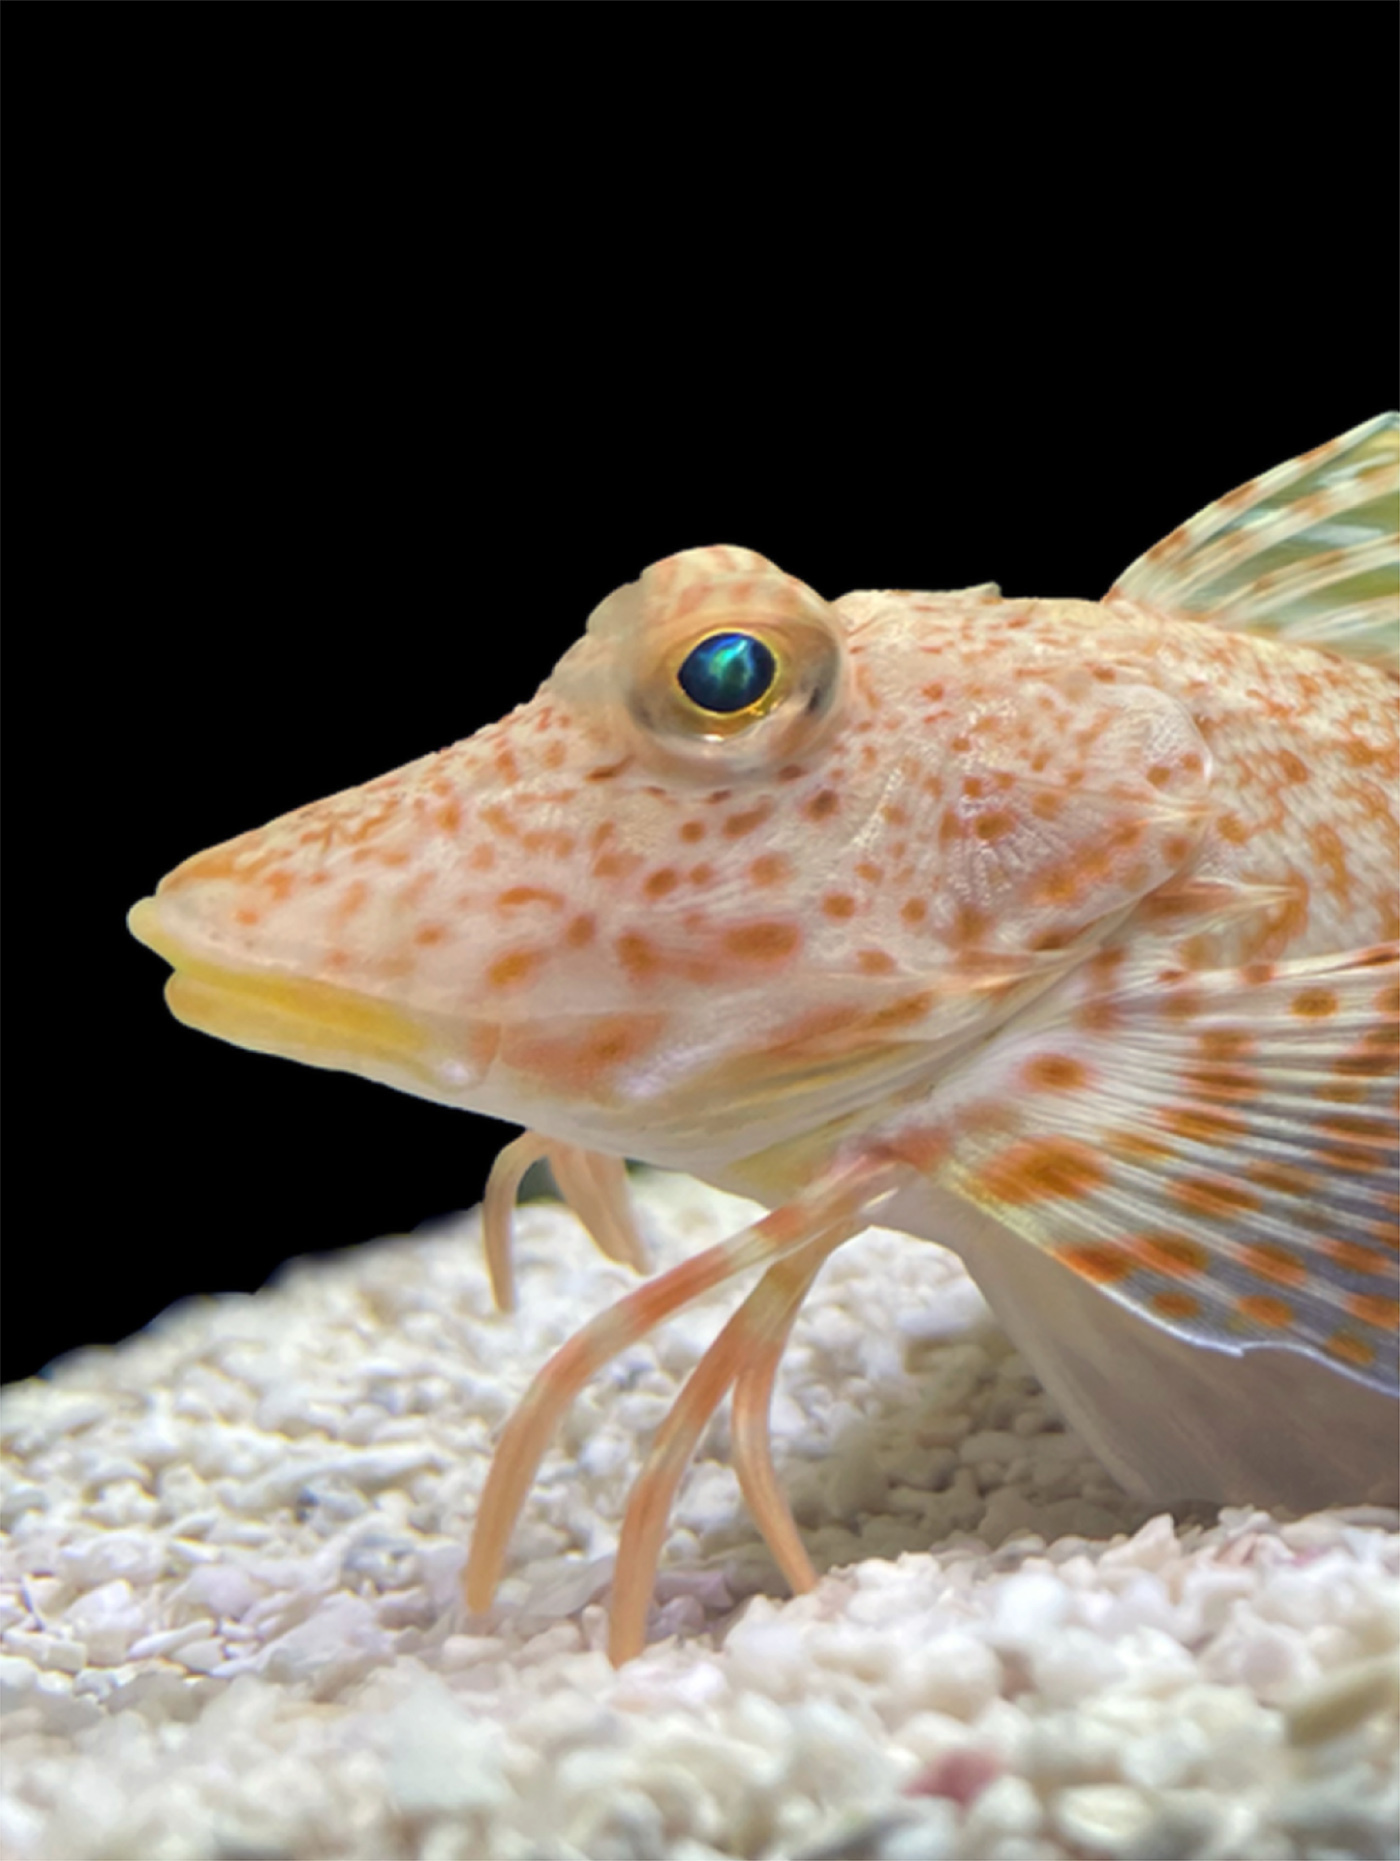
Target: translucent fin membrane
x=1308 y=552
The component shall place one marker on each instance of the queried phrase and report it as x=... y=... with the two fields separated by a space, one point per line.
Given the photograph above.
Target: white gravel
x=231 y=1629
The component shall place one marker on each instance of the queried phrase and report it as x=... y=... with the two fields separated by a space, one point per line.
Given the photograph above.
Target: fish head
x=746 y=861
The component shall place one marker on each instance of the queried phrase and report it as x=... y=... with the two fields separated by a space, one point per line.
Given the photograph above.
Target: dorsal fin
x=1308 y=552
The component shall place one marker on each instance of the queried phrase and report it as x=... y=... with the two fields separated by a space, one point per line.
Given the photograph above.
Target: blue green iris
x=728 y=672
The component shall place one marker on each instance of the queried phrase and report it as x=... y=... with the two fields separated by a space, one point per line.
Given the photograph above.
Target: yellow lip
x=316 y=1022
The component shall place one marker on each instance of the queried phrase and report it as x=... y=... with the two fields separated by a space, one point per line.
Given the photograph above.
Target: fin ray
x=1308 y=552
x=1216 y=1150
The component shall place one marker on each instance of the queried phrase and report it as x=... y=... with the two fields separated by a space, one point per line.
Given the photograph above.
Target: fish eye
x=728 y=672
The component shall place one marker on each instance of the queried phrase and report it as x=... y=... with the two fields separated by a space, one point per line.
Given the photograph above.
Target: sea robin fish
x=1060 y=933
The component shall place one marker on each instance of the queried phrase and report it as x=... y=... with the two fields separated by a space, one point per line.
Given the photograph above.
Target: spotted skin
x=1062 y=933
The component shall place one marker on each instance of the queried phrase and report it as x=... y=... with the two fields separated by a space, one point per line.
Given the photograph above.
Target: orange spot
x=1136 y=1147
x=875 y=962
x=913 y=911
x=1315 y=1003
x=637 y=955
x=581 y=1062
x=770 y=869
x=1274 y=1263
x=1099 y=1015
x=1224 y=1043
x=838 y=904
x=1054 y=1072
x=701 y=875
x=1176 y=1255
x=738 y=825
x=763 y=941
x=994 y=825
x=509 y=971
x=1372 y=1309
x=579 y=932
x=692 y=830
x=429 y=934
x=825 y=802
x=449 y=817
x=1213 y=1195
x=871 y=873
x=529 y=895
x=1357 y=1259
x=1350 y=1349
x=1180 y=1305
x=969 y=923
x=1043 y=1169
x=657 y=884
x=1263 y=1309
x=1099 y=1261
x=1197 y=1124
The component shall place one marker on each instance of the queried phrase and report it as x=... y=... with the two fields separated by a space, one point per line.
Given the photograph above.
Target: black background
x=354 y=356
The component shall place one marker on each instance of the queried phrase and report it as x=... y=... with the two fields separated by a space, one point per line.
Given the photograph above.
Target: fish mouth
x=318 y=1023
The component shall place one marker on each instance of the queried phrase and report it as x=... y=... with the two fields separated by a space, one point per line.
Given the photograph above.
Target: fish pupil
x=727 y=672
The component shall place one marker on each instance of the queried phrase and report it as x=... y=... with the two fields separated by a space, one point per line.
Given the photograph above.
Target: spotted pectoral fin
x=1215 y=1152
x=1308 y=552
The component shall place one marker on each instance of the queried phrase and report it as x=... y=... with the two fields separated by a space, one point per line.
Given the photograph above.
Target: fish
x=1059 y=933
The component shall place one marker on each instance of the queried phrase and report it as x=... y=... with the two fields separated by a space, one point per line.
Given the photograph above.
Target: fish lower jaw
x=319 y=1023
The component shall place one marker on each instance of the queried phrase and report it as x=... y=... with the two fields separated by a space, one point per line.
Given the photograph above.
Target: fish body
x=1059 y=932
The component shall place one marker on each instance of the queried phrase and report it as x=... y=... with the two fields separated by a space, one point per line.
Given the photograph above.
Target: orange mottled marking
x=1101 y=1261
x=766 y=940
x=875 y=963
x=1043 y=1169
x=770 y=869
x=658 y=884
x=1315 y=1004
x=1262 y=1308
x=1283 y=1178
x=737 y=825
x=1176 y=1255
x=1356 y=1258
x=1173 y=1304
x=1213 y=1195
x=1349 y=1348
x=585 y=1060
x=637 y=954
x=1054 y=1072
x=514 y=968
x=1274 y=1263
x=1200 y=1124
x=1130 y=1146
x=530 y=895
x=993 y=825
x=1372 y=1309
